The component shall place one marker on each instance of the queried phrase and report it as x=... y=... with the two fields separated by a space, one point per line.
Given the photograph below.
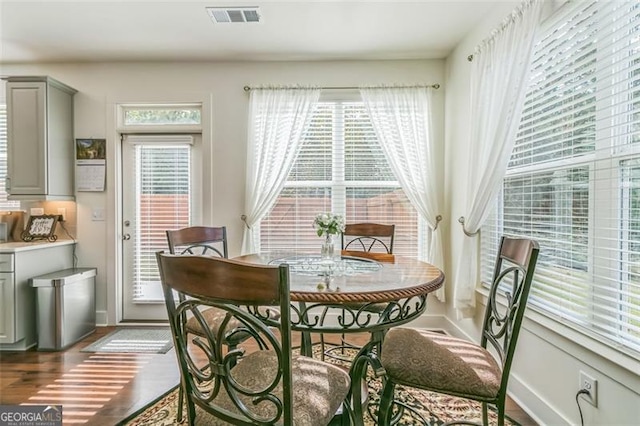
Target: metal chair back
x=512 y=278
x=201 y=240
x=368 y=237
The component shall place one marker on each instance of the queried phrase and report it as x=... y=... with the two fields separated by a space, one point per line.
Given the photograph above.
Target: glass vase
x=328 y=248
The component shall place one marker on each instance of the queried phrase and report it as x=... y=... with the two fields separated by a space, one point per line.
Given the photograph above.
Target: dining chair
x=206 y=241
x=367 y=240
x=457 y=367
x=259 y=382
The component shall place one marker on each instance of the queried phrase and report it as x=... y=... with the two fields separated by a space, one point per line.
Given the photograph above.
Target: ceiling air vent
x=221 y=15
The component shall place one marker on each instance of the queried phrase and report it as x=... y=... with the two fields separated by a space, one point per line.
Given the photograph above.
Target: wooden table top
x=353 y=279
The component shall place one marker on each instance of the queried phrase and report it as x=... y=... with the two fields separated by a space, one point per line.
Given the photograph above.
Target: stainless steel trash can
x=66 y=307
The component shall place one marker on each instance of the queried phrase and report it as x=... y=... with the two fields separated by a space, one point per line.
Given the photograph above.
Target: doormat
x=134 y=340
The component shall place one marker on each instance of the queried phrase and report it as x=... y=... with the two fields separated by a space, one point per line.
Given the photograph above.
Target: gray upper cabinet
x=40 y=139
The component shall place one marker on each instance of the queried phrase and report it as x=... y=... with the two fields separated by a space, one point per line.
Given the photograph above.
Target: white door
x=157 y=195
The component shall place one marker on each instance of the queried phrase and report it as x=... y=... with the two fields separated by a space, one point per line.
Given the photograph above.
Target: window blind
x=4 y=203
x=573 y=182
x=163 y=194
x=340 y=168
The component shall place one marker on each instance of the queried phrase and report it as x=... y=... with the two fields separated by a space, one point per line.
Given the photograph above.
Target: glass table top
x=316 y=265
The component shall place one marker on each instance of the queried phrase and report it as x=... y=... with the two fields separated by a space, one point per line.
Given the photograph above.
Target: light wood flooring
x=101 y=389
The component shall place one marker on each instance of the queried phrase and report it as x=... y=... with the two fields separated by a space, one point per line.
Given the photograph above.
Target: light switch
x=97 y=215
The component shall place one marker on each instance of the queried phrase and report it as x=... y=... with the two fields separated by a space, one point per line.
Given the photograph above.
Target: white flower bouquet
x=328 y=224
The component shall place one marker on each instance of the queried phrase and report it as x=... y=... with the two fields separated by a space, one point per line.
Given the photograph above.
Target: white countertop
x=18 y=246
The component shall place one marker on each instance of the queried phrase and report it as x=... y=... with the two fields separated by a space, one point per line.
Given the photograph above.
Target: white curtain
x=276 y=120
x=499 y=80
x=401 y=118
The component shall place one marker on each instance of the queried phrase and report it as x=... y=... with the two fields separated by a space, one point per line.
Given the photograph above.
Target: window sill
x=561 y=335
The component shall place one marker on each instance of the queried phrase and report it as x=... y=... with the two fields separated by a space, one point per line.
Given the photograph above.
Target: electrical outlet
x=36 y=211
x=62 y=212
x=589 y=384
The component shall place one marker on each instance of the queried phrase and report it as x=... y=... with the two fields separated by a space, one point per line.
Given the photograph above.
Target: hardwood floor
x=101 y=389
x=94 y=389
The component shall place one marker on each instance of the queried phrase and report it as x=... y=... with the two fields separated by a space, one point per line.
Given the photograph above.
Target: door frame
x=113 y=219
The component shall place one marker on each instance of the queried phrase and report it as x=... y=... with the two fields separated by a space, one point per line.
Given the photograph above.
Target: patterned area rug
x=134 y=340
x=429 y=408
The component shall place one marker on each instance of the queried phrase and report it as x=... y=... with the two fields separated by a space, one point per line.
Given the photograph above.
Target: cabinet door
x=26 y=137
x=7 y=308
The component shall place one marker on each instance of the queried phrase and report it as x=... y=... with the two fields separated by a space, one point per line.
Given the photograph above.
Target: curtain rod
x=508 y=20
x=433 y=86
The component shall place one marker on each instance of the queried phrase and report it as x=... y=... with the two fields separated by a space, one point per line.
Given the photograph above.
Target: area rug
x=429 y=408
x=435 y=410
x=134 y=340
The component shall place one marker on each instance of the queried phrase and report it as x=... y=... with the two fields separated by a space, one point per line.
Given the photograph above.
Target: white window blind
x=573 y=182
x=4 y=203
x=163 y=194
x=340 y=168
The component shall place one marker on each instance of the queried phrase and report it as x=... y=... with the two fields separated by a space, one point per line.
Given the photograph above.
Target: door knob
x=126 y=237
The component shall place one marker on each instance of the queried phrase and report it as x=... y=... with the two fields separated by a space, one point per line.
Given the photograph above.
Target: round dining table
x=348 y=294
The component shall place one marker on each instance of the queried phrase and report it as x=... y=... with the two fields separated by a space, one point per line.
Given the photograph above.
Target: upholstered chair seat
x=214 y=317
x=319 y=388
x=441 y=363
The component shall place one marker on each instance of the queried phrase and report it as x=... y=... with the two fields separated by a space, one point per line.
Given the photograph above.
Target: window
x=573 y=182
x=340 y=168
x=162 y=115
x=4 y=203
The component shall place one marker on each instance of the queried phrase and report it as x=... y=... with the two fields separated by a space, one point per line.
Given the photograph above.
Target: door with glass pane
x=157 y=195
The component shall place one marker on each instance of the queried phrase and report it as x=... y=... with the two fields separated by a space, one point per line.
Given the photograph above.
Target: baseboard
x=431 y=322
x=533 y=403
x=101 y=318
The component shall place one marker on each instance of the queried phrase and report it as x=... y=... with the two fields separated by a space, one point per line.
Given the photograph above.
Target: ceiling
x=124 y=30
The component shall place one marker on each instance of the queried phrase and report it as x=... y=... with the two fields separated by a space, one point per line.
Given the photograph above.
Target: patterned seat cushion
x=214 y=317
x=440 y=363
x=319 y=388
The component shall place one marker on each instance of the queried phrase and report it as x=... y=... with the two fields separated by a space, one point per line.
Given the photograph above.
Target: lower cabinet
x=18 y=310
x=7 y=315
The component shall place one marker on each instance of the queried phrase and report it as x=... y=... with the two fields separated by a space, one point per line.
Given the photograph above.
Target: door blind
x=573 y=182
x=341 y=169
x=163 y=201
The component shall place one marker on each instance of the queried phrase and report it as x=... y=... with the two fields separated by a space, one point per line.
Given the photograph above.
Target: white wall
x=548 y=360
x=101 y=85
